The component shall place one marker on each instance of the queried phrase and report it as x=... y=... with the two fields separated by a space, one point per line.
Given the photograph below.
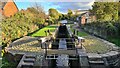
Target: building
x=8 y=8
x=86 y=17
x=82 y=18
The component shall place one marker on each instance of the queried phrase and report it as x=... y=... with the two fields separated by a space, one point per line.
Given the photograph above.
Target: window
x=2 y=8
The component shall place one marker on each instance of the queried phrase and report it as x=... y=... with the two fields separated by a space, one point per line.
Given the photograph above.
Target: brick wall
x=83 y=21
x=10 y=9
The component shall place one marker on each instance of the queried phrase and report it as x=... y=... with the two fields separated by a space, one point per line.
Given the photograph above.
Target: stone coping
x=106 y=55
x=114 y=47
x=112 y=53
x=24 y=39
x=25 y=45
x=111 y=45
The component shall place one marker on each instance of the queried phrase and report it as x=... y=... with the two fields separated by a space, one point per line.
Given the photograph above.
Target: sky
x=60 y=6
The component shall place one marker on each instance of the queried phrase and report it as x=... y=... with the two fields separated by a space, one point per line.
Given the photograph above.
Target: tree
x=111 y=29
x=105 y=11
x=53 y=13
x=70 y=13
x=119 y=9
x=60 y=16
x=39 y=10
x=38 y=7
x=33 y=10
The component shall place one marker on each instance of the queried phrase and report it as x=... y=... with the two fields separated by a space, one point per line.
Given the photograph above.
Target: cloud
x=60 y=6
x=64 y=6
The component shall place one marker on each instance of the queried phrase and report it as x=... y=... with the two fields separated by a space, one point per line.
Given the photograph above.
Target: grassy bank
x=80 y=33
x=41 y=32
x=115 y=40
x=0 y=63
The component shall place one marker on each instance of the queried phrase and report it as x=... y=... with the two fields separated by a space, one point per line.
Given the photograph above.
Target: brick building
x=8 y=8
x=86 y=17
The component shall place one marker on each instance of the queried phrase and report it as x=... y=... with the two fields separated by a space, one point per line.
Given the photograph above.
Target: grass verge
x=80 y=33
x=41 y=32
x=115 y=40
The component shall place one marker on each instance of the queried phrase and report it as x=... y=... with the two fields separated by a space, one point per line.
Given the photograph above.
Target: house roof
x=5 y=2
